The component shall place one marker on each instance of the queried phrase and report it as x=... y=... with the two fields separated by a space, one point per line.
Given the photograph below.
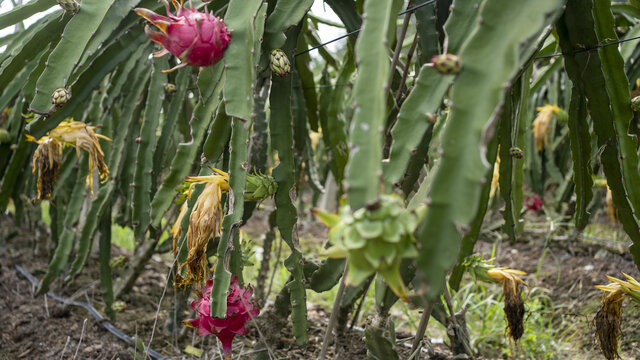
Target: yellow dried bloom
x=205 y=221
x=513 y=303
x=608 y=319
x=82 y=137
x=48 y=155
x=72 y=133
x=541 y=127
x=495 y=180
x=176 y=230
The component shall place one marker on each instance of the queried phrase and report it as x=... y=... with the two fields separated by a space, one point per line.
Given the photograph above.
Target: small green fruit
x=279 y=62
x=170 y=89
x=5 y=137
x=71 y=6
x=635 y=103
x=60 y=96
x=516 y=152
x=447 y=64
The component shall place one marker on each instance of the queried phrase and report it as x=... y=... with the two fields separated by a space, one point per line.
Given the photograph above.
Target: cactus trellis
x=408 y=117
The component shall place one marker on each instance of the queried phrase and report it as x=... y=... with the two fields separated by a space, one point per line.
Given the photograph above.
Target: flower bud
x=5 y=137
x=60 y=96
x=170 y=89
x=260 y=187
x=516 y=152
x=447 y=64
x=71 y=6
x=279 y=63
x=635 y=103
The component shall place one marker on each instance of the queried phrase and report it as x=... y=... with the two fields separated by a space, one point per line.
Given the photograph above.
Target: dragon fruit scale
x=196 y=38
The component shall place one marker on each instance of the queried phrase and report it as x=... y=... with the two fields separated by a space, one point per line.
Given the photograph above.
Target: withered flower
x=608 y=319
x=513 y=304
x=541 y=124
x=82 y=137
x=48 y=157
x=205 y=221
x=71 y=133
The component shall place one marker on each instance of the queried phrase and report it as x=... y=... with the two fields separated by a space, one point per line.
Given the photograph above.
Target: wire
x=417 y=7
x=358 y=30
x=429 y=2
x=588 y=49
x=328 y=42
x=93 y=312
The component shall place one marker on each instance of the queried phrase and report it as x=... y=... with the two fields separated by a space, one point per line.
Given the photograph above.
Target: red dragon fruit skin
x=196 y=38
x=240 y=309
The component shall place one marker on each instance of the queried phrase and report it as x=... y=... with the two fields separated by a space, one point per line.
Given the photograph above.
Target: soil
x=38 y=327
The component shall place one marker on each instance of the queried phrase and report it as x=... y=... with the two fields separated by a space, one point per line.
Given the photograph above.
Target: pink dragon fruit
x=240 y=309
x=196 y=38
x=533 y=202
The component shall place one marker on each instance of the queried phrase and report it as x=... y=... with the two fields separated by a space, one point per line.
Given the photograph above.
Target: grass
x=547 y=334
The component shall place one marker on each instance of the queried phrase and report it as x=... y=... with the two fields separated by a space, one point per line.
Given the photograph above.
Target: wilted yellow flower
x=608 y=319
x=176 y=230
x=205 y=221
x=541 y=127
x=82 y=137
x=495 y=180
x=48 y=156
x=72 y=133
x=513 y=303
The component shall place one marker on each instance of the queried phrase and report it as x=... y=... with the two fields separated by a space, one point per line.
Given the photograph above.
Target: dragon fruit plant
x=240 y=309
x=196 y=38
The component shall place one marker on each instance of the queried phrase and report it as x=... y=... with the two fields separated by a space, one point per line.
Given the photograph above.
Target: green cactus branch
x=477 y=91
x=67 y=53
x=364 y=167
x=576 y=30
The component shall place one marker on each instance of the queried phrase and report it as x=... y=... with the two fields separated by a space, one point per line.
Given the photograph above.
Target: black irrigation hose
x=94 y=313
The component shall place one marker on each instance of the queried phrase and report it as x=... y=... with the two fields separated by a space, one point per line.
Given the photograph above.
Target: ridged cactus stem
x=609 y=110
x=364 y=168
x=462 y=170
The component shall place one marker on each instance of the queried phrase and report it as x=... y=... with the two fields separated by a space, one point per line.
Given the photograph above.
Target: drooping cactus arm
x=364 y=167
x=144 y=175
x=240 y=64
x=587 y=69
x=64 y=57
x=478 y=90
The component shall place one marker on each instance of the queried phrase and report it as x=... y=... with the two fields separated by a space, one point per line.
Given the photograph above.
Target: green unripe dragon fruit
x=70 y=6
x=279 y=62
x=516 y=152
x=260 y=187
x=635 y=103
x=5 y=137
x=196 y=38
x=60 y=96
x=374 y=239
x=447 y=64
x=170 y=88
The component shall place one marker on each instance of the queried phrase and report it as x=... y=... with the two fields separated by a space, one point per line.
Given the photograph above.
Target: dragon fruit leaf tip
x=196 y=38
